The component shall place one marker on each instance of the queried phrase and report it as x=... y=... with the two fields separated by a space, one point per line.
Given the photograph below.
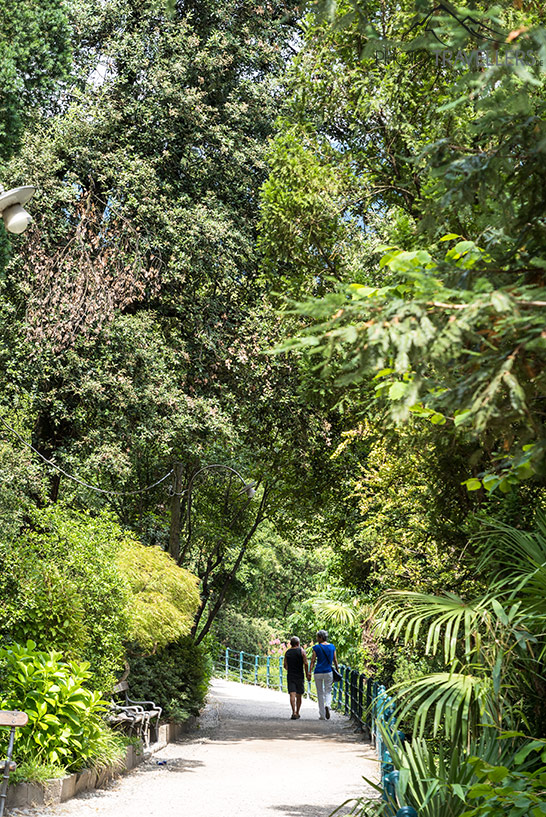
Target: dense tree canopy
x=443 y=166
x=136 y=316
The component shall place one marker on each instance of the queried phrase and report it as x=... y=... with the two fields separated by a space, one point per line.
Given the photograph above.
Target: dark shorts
x=295 y=685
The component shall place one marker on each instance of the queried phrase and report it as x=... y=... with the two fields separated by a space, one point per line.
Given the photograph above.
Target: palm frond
x=451 y=621
x=518 y=559
x=456 y=702
x=341 y=613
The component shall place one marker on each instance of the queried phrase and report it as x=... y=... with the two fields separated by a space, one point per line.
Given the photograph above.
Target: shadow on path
x=289 y=810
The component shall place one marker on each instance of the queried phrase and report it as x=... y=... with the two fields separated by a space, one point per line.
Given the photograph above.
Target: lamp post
x=16 y=219
x=177 y=493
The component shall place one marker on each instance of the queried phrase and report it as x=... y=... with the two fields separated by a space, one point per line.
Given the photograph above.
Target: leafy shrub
x=65 y=727
x=176 y=678
x=509 y=792
x=60 y=587
x=164 y=597
x=238 y=632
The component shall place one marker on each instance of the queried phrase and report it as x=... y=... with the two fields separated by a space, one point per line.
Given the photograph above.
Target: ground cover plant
x=65 y=729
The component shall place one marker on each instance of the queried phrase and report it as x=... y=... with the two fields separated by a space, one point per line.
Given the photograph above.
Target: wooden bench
x=13 y=719
x=140 y=717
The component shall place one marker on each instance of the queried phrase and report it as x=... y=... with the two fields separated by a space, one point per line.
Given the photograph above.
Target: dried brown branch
x=75 y=289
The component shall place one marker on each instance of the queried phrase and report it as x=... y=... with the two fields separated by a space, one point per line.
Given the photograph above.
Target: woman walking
x=324 y=655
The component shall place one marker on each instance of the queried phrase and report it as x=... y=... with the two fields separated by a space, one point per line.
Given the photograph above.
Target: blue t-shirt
x=325 y=656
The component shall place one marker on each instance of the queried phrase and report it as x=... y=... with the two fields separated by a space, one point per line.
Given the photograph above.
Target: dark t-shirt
x=294 y=662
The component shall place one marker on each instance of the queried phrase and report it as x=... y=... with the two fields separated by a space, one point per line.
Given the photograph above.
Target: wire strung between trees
x=77 y=479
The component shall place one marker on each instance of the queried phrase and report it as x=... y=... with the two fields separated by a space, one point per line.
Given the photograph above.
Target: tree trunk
x=232 y=573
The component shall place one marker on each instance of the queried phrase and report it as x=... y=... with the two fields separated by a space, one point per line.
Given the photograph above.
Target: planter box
x=175 y=730
x=53 y=792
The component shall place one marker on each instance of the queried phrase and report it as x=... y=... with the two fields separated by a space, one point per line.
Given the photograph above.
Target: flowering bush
x=278 y=647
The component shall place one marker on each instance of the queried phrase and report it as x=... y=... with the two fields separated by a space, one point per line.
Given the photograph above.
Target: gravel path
x=248 y=759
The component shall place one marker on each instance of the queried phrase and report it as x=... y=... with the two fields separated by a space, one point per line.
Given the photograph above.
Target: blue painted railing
x=383 y=724
x=356 y=696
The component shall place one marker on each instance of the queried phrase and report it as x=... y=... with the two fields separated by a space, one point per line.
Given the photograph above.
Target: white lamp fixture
x=249 y=489
x=16 y=218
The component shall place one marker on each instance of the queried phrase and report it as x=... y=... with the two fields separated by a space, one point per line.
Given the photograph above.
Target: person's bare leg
x=298 y=704
x=293 y=703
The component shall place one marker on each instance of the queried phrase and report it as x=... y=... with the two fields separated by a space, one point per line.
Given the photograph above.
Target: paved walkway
x=248 y=759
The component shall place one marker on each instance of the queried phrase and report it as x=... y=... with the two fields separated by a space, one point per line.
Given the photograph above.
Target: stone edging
x=58 y=790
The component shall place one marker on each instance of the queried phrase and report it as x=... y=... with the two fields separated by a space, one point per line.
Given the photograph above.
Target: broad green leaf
x=497 y=774
x=461 y=417
x=397 y=390
x=472 y=484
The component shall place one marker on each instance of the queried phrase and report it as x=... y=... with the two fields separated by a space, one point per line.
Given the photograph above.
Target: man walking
x=296 y=666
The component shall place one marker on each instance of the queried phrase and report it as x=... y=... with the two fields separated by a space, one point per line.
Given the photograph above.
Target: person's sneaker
x=293 y=717
x=326 y=709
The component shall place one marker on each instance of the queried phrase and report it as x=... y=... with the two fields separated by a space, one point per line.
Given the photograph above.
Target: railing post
x=346 y=688
x=227 y=663
x=390 y=781
x=268 y=671
x=369 y=701
x=241 y=667
x=280 y=672
x=256 y=659
x=361 y=700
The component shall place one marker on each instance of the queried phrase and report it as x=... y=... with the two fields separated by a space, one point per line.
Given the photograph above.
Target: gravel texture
x=247 y=759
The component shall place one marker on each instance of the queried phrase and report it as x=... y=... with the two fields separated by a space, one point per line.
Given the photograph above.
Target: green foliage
x=305 y=197
x=130 y=353
x=436 y=778
x=164 y=597
x=338 y=611
x=412 y=512
x=281 y=569
x=175 y=677
x=65 y=726
x=504 y=792
x=242 y=633
x=452 y=336
x=34 y=771
x=491 y=646
x=407 y=336
x=34 y=55
x=61 y=587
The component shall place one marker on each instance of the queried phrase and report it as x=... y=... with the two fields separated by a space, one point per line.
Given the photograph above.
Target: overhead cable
x=77 y=479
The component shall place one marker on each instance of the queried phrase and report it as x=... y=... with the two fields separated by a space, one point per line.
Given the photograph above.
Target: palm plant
x=341 y=612
x=487 y=644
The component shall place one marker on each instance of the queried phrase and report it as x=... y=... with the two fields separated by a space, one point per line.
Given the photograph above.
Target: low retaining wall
x=53 y=792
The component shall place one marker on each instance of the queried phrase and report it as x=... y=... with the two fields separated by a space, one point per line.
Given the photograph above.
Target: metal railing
x=247 y=668
x=362 y=699
x=383 y=725
x=352 y=695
